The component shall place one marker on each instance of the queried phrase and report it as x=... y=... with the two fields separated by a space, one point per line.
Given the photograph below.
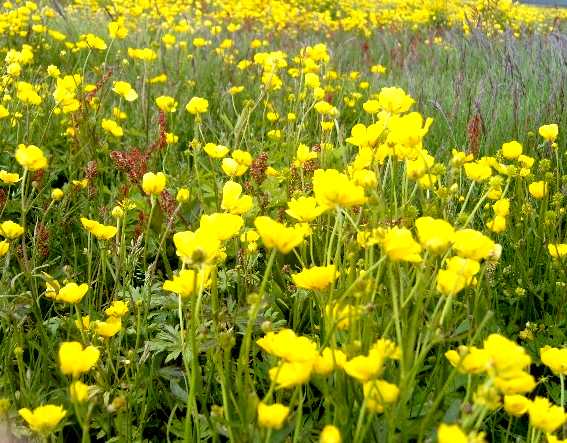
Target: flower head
x=232 y=199
x=379 y=393
x=153 y=184
x=330 y=434
x=434 y=234
x=546 y=416
x=272 y=416
x=125 y=90
x=399 y=245
x=43 y=419
x=10 y=230
x=72 y=293
x=197 y=105
x=100 y=231
x=316 y=278
x=549 y=132
x=278 y=236
x=332 y=189
x=304 y=209
x=74 y=360
x=31 y=157
x=117 y=308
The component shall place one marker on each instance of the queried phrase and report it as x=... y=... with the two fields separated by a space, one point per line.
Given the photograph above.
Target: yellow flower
x=199 y=247
x=57 y=194
x=288 y=346
x=342 y=316
x=450 y=283
x=145 y=54
x=303 y=155
x=371 y=106
x=511 y=150
x=477 y=171
x=497 y=224
x=10 y=230
x=387 y=348
x=111 y=126
x=84 y=324
x=557 y=250
x=459 y=158
x=43 y=419
x=378 y=393
x=526 y=161
x=117 y=30
x=166 y=103
x=549 y=132
x=465 y=267
x=316 y=278
x=378 y=69
x=235 y=90
x=304 y=209
x=506 y=355
x=171 y=138
x=183 y=195
x=501 y=207
x=394 y=100
x=518 y=382
x=81 y=184
x=95 y=42
x=117 y=212
x=72 y=293
x=221 y=225
x=125 y=90
x=232 y=199
x=328 y=360
x=516 y=405
x=9 y=178
x=199 y=42
x=545 y=416
x=272 y=416
x=472 y=244
x=197 y=105
x=25 y=92
x=117 y=308
x=435 y=235
x=469 y=359
x=278 y=236
x=79 y=391
x=290 y=374
x=4 y=247
x=74 y=360
x=153 y=184
x=365 y=178
x=332 y=188
x=100 y=231
x=31 y=157
x=188 y=282
x=399 y=245
x=451 y=434
x=554 y=439
x=538 y=189
x=365 y=367
x=555 y=359
x=417 y=169
x=237 y=164
x=215 y=151
x=363 y=136
x=108 y=328
x=330 y=434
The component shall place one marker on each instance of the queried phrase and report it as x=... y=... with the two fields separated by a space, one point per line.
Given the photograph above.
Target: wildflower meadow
x=283 y=221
